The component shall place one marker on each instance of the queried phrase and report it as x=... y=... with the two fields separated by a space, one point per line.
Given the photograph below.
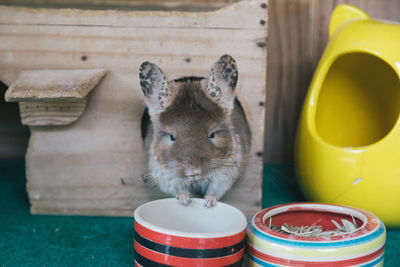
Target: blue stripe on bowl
x=375 y=262
x=331 y=244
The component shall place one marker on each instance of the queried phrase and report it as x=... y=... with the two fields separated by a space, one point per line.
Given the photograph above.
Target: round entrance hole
x=359 y=101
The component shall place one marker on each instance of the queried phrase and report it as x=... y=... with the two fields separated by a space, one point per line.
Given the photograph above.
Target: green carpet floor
x=33 y=240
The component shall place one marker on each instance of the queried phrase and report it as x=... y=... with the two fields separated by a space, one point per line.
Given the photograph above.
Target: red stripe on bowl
x=349 y=262
x=187 y=262
x=371 y=225
x=187 y=242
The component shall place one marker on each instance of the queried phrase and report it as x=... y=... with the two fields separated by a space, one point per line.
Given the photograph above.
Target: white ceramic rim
x=166 y=231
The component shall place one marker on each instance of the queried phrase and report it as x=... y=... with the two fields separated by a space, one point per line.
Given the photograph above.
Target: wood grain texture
x=183 y=5
x=93 y=166
x=298 y=34
x=53 y=85
x=51 y=113
x=52 y=97
x=229 y=17
x=289 y=72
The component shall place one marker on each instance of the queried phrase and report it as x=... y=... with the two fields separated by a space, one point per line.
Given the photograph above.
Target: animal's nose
x=193 y=172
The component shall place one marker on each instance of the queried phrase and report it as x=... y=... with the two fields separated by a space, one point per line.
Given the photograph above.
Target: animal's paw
x=211 y=199
x=183 y=198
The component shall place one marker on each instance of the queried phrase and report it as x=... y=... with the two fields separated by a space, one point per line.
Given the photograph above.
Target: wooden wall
x=183 y=5
x=298 y=33
x=109 y=130
x=297 y=36
x=13 y=136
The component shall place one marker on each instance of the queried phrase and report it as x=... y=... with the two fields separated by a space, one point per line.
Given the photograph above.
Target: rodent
x=197 y=137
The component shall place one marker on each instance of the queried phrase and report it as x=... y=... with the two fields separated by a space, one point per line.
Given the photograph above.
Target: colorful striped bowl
x=362 y=247
x=171 y=234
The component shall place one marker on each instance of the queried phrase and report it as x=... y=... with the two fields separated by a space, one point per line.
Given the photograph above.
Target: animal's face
x=191 y=119
x=192 y=135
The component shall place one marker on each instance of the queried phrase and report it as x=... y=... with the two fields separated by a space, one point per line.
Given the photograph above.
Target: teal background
x=37 y=240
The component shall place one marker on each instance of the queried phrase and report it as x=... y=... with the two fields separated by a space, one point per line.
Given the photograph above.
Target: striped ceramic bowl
x=169 y=234
x=363 y=246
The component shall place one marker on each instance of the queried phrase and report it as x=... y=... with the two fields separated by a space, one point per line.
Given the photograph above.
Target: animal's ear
x=155 y=87
x=222 y=81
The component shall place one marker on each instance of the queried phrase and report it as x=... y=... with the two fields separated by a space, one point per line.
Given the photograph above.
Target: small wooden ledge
x=53 y=97
x=53 y=85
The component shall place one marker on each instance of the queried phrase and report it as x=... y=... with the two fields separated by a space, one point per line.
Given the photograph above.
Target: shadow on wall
x=13 y=135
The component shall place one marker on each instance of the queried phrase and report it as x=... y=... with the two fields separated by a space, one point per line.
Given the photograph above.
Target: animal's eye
x=215 y=133
x=168 y=136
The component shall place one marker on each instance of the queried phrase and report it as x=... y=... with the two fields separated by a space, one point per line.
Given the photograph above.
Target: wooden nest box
x=74 y=73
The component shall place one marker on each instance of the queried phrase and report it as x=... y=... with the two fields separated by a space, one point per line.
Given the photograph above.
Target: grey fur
x=218 y=174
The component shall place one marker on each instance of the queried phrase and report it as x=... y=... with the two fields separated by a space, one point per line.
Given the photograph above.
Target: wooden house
x=74 y=73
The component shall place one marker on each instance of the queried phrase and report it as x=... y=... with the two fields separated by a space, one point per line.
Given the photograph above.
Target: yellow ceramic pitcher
x=348 y=141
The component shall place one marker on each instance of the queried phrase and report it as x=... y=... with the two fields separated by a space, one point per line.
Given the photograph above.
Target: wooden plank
x=51 y=113
x=104 y=145
x=184 y=5
x=289 y=73
x=235 y=16
x=52 y=97
x=53 y=85
x=124 y=42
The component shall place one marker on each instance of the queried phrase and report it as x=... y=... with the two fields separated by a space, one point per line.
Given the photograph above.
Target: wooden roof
x=53 y=85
